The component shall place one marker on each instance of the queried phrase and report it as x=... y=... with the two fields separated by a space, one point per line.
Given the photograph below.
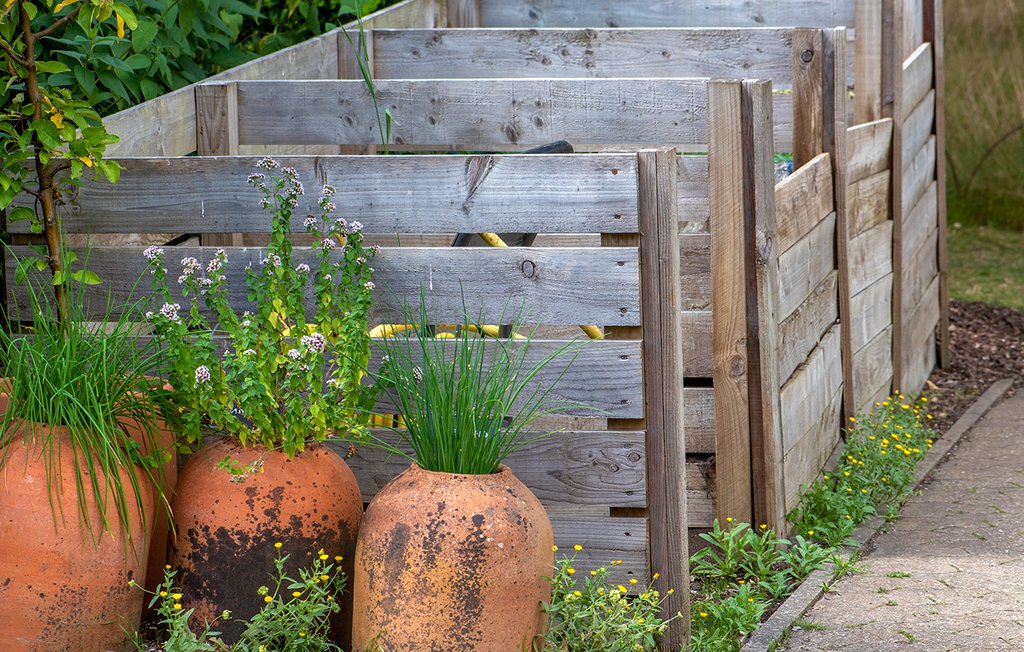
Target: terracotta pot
x=62 y=586
x=226 y=530
x=452 y=562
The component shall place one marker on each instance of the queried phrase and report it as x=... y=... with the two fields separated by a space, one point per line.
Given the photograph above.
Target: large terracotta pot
x=226 y=530
x=62 y=586
x=452 y=562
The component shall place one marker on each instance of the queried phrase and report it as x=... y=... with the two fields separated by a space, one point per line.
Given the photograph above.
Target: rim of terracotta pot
x=502 y=470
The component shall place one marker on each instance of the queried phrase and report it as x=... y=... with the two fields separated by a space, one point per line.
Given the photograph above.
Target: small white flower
x=327 y=244
x=315 y=342
x=202 y=374
x=153 y=253
x=369 y=285
x=267 y=163
x=294 y=354
x=170 y=311
x=249 y=352
x=302 y=268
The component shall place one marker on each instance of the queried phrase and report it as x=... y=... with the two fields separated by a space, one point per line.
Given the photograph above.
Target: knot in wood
x=633 y=457
x=528 y=268
x=806 y=56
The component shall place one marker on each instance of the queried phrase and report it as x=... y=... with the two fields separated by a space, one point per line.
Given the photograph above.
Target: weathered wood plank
x=666 y=13
x=697 y=343
x=922 y=360
x=559 y=52
x=872 y=311
x=802 y=200
x=919 y=343
x=604 y=539
x=869 y=148
x=921 y=268
x=565 y=468
x=463 y=13
x=695 y=269
x=918 y=174
x=166 y=125
x=805 y=265
x=565 y=285
x=920 y=221
x=692 y=185
x=871 y=257
x=872 y=368
x=587 y=193
x=699 y=419
x=807 y=394
x=867 y=61
x=728 y=286
x=807 y=60
x=808 y=456
x=868 y=201
x=801 y=331
x=917 y=126
x=913 y=26
x=917 y=75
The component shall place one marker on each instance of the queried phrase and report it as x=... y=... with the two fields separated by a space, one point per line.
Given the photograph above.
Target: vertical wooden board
x=913 y=25
x=919 y=342
x=918 y=174
x=808 y=110
x=922 y=267
x=806 y=394
x=692 y=188
x=700 y=493
x=802 y=200
x=728 y=286
x=868 y=202
x=463 y=13
x=917 y=127
x=699 y=416
x=871 y=311
x=801 y=331
x=918 y=76
x=923 y=357
x=868 y=61
x=697 y=341
x=695 y=269
x=217 y=135
x=871 y=257
x=805 y=265
x=872 y=366
x=869 y=149
x=919 y=222
x=808 y=457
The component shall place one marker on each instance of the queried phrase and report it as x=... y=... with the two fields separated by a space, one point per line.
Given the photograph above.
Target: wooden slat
x=933 y=32
x=802 y=200
x=917 y=75
x=805 y=265
x=699 y=420
x=869 y=202
x=918 y=126
x=918 y=174
x=463 y=13
x=566 y=285
x=807 y=395
x=919 y=343
x=166 y=125
x=697 y=343
x=586 y=193
x=800 y=332
x=808 y=457
x=869 y=149
x=557 y=52
x=913 y=25
x=808 y=113
x=873 y=308
x=728 y=286
x=921 y=269
x=566 y=468
x=871 y=257
x=920 y=221
x=868 y=61
x=604 y=539
x=695 y=279
x=692 y=185
x=666 y=13
x=217 y=135
x=872 y=368
x=892 y=87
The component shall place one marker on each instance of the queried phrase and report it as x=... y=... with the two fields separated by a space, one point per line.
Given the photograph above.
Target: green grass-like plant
x=467 y=402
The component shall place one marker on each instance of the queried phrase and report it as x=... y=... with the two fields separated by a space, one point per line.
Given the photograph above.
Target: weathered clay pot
x=62 y=586
x=452 y=562
x=226 y=530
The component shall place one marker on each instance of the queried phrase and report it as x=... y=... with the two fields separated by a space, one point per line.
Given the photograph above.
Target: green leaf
x=111 y=170
x=20 y=213
x=143 y=34
x=51 y=66
x=47 y=133
x=150 y=88
x=86 y=79
x=126 y=14
x=86 y=277
x=58 y=277
x=138 y=61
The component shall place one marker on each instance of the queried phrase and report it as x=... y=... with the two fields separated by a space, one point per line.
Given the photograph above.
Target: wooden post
x=762 y=309
x=933 y=32
x=808 y=126
x=463 y=13
x=351 y=45
x=834 y=85
x=734 y=484
x=663 y=383
x=217 y=135
x=867 y=65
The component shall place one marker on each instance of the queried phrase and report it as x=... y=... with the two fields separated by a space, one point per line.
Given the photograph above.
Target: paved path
x=950 y=574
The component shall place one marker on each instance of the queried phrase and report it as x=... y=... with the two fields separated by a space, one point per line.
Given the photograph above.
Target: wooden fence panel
x=870 y=149
x=802 y=199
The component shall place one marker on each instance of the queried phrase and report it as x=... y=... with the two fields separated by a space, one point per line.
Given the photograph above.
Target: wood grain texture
x=728 y=285
x=920 y=221
x=809 y=112
x=801 y=331
x=217 y=135
x=695 y=273
x=933 y=32
x=918 y=75
x=663 y=380
x=873 y=370
x=565 y=285
x=869 y=149
x=918 y=174
x=697 y=343
x=559 y=52
x=871 y=311
x=868 y=202
x=463 y=13
x=807 y=394
x=807 y=458
x=587 y=193
x=921 y=269
x=805 y=265
x=892 y=81
x=663 y=13
x=692 y=184
x=867 y=61
x=919 y=346
x=802 y=200
x=918 y=126
x=871 y=257
x=166 y=125
x=699 y=420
